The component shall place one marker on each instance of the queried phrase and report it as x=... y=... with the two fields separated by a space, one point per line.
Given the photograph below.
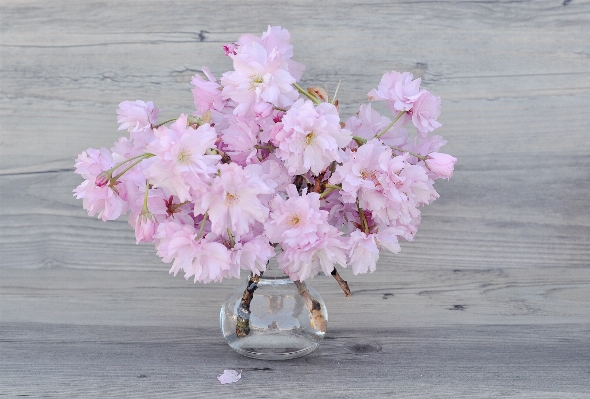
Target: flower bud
x=318 y=92
x=103 y=179
x=230 y=48
x=440 y=164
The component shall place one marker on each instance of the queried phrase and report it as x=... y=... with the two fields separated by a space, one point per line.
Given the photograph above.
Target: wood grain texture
x=492 y=299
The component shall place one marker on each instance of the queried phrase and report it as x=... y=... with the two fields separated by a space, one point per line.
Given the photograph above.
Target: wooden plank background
x=492 y=299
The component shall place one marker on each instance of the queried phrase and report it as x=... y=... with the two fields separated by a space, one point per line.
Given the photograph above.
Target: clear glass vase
x=271 y=317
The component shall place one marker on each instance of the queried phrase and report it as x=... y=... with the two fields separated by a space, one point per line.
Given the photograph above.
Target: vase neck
x=273 y=272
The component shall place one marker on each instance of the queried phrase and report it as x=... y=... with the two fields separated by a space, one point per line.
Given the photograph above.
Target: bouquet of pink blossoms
x=264 y=167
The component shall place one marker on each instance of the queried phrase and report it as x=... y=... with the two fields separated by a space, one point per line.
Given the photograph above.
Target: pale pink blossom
x=92 y=162
x=302 y=263
x=182 y=163
x=240 y=140
x=295 y=222
x=387 y=238
x=207 y=93
x=441 y=164
x=212 y=262
x=363 y=171
x=367 y=123
x=310 y=138
x=400 y=90
x=308 y=241
x=232 y=200
x=102 y=200
x=364 y=252
x=274 y=39
x=259 y=76
x=253 y=255
x=138 y=117
x=424 y=113
x=175 y=242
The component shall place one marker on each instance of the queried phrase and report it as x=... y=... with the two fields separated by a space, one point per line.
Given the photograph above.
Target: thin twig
x=315 y=308
x=343 y=284
x=243 y=324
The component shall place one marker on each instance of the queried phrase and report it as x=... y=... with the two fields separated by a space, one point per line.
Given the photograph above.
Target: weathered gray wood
x=492 y=299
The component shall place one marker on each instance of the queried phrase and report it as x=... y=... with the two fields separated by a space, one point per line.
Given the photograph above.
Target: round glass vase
x=271 y=317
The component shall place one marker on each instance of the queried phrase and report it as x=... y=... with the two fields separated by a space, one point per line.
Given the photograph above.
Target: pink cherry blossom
x=295 y=222
x=102 y=200
x=212 y=262
x=207 y=93
x=362 y=172
x=310 y=138
x=98 y=198
x=240 y=139
x=232 y=200
x=305 y=262
x=367 y=123
x=425 y=111
x=175 y=242
x=138 y=117
x=364 y=252
x=259 y=76
x=93 y=162
x=182 y=163
x=398 y=89
x=440 y=164
x=308 y=241
x=253 y=255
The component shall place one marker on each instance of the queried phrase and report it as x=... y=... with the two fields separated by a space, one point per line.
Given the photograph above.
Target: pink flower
x=240 y=139
x=310 y=138
x=425 y=111
x=175 y=242
x=364 y=252
x=138 y=117
x=363 y=171
x=295 y=222
x=253 y=255
x=398 y=89
x=367 y=123
x=232 y=200
x=305 y=262
x=92 y=162
x=440 y=164
x=308 y=241
x=212 y=262
x=207 y=93
x=101 y=200
x=182 y=163
x=98 y=198
x=259 y=76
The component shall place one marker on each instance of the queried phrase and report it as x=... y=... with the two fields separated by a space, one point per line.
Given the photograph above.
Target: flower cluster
x=263 y=167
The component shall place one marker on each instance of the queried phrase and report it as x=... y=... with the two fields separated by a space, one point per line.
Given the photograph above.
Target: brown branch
x=315 y=309
x=343 y=284
x=243 y=324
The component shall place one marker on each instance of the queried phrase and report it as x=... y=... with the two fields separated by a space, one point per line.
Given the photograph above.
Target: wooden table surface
x=492 y=299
